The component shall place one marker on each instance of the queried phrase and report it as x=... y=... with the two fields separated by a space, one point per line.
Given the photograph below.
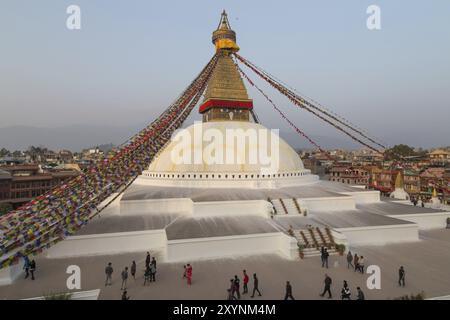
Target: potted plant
x=300 y=250
x=340 y=248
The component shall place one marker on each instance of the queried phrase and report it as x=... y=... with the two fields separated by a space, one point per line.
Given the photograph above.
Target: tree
x=399 y=151
x=17 y=154
x=4 y=152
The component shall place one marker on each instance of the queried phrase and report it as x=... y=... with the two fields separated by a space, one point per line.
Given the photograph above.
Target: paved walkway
x=427 y=265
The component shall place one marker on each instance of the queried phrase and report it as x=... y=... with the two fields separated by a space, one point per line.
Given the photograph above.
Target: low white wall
x=108 y=243
x=364 y=196
x=215 y=247
x=229 y=208
x=380 y=234
x=80 y=295
x=157 y=206
x=268 y=182
x=9 y=274
x=426 y=221
x=328 y=203
x=339 y=238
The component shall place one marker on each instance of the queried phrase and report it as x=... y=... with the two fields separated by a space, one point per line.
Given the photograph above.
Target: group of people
x=29 y=267
x=345 y=291
x=150 y=269
x=355 y=262
x=149 y=272
x=234 y=291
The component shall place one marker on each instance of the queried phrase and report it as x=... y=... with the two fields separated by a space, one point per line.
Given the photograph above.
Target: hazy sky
x=132 y=58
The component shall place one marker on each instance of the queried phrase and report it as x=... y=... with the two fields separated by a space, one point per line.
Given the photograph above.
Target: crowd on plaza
x=354 y=262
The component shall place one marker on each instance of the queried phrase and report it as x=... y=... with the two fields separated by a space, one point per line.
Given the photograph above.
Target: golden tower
x=226 y=97
x=399 y=181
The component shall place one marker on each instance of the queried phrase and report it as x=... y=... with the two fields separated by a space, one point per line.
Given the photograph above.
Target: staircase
x=312 y=239
x=278 y=207
x=285 y=206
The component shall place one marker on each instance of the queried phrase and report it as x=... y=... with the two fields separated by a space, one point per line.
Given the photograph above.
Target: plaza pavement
x=427 y=265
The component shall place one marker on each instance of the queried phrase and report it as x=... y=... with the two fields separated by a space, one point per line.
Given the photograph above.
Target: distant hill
x=78 y=137
x=74 y=138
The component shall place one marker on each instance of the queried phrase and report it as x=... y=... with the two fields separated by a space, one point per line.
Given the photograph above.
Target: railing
x=316 y=244
x=283 y=205
x=297 y=206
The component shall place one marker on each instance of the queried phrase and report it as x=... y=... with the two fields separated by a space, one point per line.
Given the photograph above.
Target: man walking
x=255 y=286
x=360 y=295
x=345 y=292
x=152 y=272
x=361 y=264
x=124 y=279
x=26 y=266
x=232 y=288
x=108 y=271
x=349 y=260
x=237 y=286
x=355 y=261
x=125 y=296
x=245 y=283
x=401 y=276
x=32 y=268
x=327 y=288
x=288 y=291
x=147 y=276
x=147 y=260
x=325 y=257
x=133 y=269
x=322 y=256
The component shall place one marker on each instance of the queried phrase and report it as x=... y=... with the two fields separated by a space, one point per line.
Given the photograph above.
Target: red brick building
x=21 y=183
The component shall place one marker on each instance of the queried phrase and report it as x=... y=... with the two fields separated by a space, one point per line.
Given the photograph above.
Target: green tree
x=4 y=152
x=399 y=151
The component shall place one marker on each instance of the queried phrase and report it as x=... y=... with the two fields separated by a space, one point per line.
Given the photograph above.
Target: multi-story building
x=439 y=157
x=432 y=178
x=5 y=185
x=411 y=181
x=349 y=175
x=21 y=183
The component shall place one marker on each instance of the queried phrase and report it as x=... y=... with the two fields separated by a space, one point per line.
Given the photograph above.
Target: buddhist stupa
x=399 y=191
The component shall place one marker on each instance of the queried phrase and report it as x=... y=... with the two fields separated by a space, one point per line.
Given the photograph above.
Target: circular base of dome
x=227 y=179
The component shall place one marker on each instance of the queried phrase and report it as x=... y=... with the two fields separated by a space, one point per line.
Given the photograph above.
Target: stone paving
x=427 y=263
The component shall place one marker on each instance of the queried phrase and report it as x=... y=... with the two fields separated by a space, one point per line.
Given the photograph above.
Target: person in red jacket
x=189 y=274
x=245 y=283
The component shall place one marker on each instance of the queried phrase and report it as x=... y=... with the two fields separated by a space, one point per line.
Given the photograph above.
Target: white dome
x=185 y=153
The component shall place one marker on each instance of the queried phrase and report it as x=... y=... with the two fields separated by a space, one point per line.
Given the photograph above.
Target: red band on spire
x=225 y=104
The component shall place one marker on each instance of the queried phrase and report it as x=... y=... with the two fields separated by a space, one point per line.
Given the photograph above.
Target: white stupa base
x=399 y=193
x=435 y=201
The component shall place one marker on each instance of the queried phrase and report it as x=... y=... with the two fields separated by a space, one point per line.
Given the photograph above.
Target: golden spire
x=224 y=38
x=399 y=181
x=225 y=97
x=434 y=195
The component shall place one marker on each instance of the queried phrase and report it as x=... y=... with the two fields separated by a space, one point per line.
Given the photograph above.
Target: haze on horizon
x=131 y=60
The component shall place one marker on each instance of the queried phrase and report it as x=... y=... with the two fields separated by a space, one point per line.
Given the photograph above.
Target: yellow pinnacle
x=399 y=181
x=224 y=38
